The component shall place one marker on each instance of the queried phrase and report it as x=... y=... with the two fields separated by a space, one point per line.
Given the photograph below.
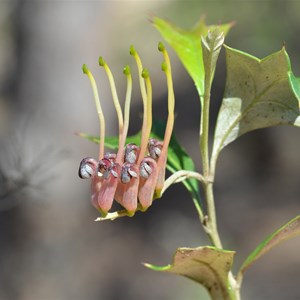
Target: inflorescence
x=135 y=175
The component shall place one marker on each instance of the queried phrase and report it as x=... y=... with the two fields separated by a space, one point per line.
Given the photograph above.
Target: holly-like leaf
x=187 y=45
x=258 y=94
x=177 y=160
x=208 y=266
x=287 y=231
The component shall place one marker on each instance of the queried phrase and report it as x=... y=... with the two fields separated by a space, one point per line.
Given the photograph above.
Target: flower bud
x=148 y=182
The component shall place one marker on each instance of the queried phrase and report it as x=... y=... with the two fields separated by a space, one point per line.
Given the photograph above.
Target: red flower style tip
x=134 y=176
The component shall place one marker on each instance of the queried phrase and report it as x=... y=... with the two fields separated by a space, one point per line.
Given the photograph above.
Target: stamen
x=147 y=116
x=126 y=72
x=116 y=101
x=140 y=70
x=98 y=107
x=166 y=67
x=142 y=80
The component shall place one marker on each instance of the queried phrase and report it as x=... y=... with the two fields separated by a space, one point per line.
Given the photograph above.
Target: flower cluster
x=135 y=175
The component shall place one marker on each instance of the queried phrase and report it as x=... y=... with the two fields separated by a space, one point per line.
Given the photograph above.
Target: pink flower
x=135 y=175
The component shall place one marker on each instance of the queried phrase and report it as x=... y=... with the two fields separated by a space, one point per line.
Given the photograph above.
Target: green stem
x=211 y=221
x=211 y=45
x=204 y=131
x=211 y=224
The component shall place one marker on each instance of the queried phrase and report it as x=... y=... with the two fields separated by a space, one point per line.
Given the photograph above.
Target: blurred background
x=50 y=247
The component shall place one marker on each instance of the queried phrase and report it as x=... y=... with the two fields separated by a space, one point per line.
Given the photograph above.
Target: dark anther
x=87 y=168
x=127 y=173
x=106 y=163
x=111 y=170
x=110 y=156
x=131 y=153
x=145 y=169
x=154 y=148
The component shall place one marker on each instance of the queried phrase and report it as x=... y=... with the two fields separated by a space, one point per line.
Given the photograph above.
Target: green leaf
x=112 y=142
x=208 y=266
x=178 y=159
x=287 y=231
x=187 y=45
x=258 y=94
x=211 y=47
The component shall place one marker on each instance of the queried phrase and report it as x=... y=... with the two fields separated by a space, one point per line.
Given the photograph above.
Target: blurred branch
x=22 y=172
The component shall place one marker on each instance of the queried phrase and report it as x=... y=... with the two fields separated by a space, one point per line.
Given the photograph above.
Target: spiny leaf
x=178 y=159
x=187 y=45
x=287 y=231
x=258 y=94
x=208 y=266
